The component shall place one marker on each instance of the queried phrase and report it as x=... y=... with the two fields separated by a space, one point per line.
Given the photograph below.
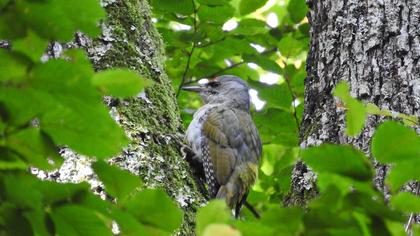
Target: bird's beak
x=195 y=88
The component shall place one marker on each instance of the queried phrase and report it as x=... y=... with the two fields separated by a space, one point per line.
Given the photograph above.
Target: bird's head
x=227 y=89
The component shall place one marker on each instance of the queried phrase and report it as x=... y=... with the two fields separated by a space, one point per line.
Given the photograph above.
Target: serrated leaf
x=406 y=202
x=163 y=216
x=344 y=160
x=215 y=212
x=35 y=147
x=72 y=220
x=32 y=46
x=113 y=177
x=119 y=82
x=128 y=224
x=394 y=142
x=248 y=6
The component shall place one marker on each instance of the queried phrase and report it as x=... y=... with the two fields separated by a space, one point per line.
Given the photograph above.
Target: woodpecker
x=225 y=140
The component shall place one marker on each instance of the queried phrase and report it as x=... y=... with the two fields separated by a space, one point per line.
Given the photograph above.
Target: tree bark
x=373 y=45
x=151 y=120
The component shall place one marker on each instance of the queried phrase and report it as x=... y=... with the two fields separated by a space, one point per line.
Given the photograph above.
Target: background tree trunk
x=152 y=120
x=374 y=46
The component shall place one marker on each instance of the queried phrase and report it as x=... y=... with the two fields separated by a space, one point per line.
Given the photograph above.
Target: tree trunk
x=373 y=45
x=151 y=120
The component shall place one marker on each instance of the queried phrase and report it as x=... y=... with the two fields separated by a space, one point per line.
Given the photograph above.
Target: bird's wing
x=232 y=140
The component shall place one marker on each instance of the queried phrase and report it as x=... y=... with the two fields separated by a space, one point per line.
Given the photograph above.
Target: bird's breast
x=194 y=135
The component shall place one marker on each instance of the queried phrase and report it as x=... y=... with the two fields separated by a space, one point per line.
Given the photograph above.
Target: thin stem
x=410 y=219
x=194 y=45
x=293 y=100
x=210 y=43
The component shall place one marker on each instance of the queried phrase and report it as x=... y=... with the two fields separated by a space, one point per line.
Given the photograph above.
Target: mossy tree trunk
x=374 y=46
x=151 y=120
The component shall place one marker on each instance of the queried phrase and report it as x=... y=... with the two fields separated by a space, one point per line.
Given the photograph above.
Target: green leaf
x=32 y=46
x=10 y=161
x=54 y=193
x=184 y=7
x=128 y=224
x=394 y=142
x=12 y=66
x=277 y=96
x=290 y=46
x=277 y=126
x=119 y=82
x=265 y=63
x=11 y=27
x=215 y=212
x=356 y=112
x=3 y=3
x=155 y=209
x=113 y=177
x=214 y=2
x=217 y=14
x=75 y=220
x=293 y=217
x=355 y=117
x=297 y=10
x=220 y=229
x=403 y=172
x=406 y=202
x=18 y=104
x=35 y=147
x=42 y=16
x=79 y=107
x=251 y=27
x=13 y=220
x=248 y=6
x=344 y=160
x=19 y=190
x=251 y=228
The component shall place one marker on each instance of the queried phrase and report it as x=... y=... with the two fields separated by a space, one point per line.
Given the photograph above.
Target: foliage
x=199 y=44
x=47 y=104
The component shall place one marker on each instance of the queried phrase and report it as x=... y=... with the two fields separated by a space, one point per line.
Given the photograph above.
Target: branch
x=187 y=67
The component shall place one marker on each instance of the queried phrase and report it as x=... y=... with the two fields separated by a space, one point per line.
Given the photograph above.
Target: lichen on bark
x=375 y=47
x=151 y=120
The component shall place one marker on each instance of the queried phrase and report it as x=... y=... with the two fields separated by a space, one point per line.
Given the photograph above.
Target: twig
x=252 y=209
x=187 y=67
x=211 y=43
x=293 y=102
x=410 y=219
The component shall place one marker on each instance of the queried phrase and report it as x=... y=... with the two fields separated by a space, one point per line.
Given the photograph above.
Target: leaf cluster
x=47 y=103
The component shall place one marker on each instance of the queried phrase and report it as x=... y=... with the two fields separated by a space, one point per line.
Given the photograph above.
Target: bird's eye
x=214 y=84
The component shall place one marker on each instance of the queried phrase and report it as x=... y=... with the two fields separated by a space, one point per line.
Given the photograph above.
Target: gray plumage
x=225 y=139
